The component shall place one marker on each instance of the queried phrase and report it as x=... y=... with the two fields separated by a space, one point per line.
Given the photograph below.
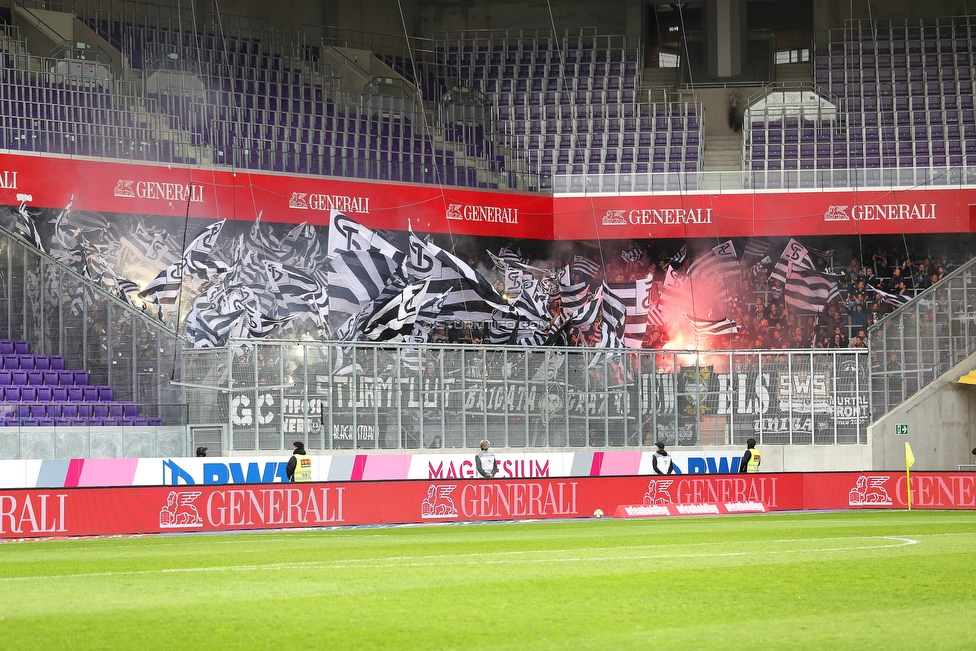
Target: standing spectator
x=661 y=461
x=485 y=462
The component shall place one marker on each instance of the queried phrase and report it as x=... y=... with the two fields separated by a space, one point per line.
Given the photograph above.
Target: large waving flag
x=807 y=289
x=794 y=253
x=393 y=320
x=469 y=296
x=197 y=258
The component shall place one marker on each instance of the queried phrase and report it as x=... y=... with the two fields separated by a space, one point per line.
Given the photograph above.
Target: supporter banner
x=108 y=511
x=48 y=182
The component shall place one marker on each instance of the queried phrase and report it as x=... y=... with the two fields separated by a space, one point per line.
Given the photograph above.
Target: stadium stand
x=38 y=391
x=899 y=107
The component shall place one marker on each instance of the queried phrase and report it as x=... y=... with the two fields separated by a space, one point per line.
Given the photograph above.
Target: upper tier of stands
x=510 y=109
x=903 y=94
x=567 y=105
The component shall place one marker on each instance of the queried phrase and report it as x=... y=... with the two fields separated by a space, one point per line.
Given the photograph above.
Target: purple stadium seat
x=100 y=411
x=11 y=362
x=45 y=394
x=141 y=422
x=115 y=410
x=59 y=394
x=90 y=393
x=5 y=378
x=35 y=378
x=69 y=411
x=38 y=411
x=45 y=422
x=105 y=394
x=26 y=362
x=50 y=378
x=21 y=347
x=6 y=347
x=81 y=378
x=130 y=410
x=57 y=363
x=156 y=421
x=18 y=378
x=42 y=362
x=66 y=378
x=84 y=411
x=76 y=394
x=11 y=394
x=28 y=394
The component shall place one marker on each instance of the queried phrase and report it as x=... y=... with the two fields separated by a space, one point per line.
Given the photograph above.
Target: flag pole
x=909 y=462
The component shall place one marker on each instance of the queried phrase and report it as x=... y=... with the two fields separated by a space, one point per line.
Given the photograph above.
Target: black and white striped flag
x=794 y=253
x=585 y=267
x=807 y=289
x=164 y=289
x=709 y=328
x=393 y=320
x=358 y=277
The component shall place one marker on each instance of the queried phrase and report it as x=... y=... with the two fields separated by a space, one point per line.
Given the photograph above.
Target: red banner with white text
x=132 y=510
x=166 y=190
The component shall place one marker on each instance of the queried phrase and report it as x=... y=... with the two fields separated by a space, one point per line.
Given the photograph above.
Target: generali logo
x=438 y=504
x=658 y=216
x=869 y=491
x=658 y=492
x=129 y=189
x=490 y=214
x=322 y=202
x=880 y=212
x=180 y=512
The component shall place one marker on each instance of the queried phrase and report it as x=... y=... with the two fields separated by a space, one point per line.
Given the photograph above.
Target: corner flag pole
x=909 y=462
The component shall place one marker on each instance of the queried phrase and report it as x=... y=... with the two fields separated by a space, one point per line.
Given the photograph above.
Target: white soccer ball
x=598 y=514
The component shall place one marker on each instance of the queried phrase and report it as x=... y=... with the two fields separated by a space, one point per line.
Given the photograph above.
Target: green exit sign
x=901 y=429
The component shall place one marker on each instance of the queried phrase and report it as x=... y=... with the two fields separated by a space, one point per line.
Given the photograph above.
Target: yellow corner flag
x=909 y=462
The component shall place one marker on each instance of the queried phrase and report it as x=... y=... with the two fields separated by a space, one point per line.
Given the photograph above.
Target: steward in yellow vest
x=751 y=459
x=299 y=468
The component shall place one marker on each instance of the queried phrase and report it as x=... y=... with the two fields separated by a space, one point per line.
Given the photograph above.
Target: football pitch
x=840 y=580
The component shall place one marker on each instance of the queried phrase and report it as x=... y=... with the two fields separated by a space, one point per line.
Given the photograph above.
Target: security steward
x=751 y=458
x=299 y=468
x=485 y=462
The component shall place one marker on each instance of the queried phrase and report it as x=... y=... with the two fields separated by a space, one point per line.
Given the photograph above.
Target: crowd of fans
x=756 y=302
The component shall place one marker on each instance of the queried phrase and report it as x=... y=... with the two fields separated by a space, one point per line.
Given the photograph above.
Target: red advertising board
x=50 y=182
x=105 y=511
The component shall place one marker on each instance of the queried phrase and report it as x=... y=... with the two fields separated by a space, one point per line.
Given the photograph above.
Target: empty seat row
x=14 y=346
x=44 y=393
x=64 y=421
x=26 y=362
x=70 y=410
x=37 y=378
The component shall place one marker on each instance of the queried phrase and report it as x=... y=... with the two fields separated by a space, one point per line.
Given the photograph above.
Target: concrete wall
x=941 y=421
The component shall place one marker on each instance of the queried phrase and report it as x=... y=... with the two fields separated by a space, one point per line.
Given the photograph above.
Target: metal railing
x=361 y=396
x=60 y=313
x=798 y=179
x=920 y=341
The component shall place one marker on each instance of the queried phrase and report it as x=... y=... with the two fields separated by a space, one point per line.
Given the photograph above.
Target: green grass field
x=852 y=580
